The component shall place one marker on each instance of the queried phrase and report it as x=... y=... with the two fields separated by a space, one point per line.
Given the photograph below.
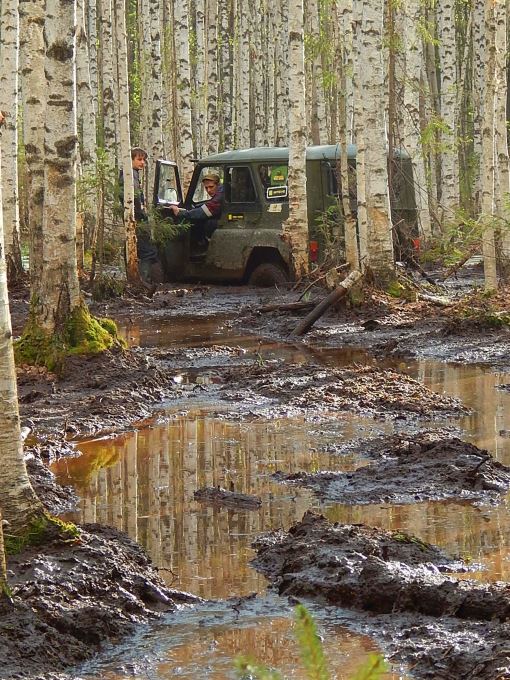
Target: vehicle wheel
x=267 y=275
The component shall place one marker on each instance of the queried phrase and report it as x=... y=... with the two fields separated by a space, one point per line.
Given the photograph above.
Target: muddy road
x=217 y=429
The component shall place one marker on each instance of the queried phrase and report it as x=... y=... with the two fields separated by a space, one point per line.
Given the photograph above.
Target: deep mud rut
x=69 y=599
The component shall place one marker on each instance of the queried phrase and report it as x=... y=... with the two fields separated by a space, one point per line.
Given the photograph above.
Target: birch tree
x=32 y=55
x=371 y=137
x=413 y=91
x=9 y=49
x=125 y=144
x=488 y=160
x=296 y=226
x=19 y=504
x=450 y=196
x=183 y=89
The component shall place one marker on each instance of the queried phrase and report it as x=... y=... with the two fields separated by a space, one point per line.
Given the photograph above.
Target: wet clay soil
x=68 y=599
x=444 y=627
x=412 y=469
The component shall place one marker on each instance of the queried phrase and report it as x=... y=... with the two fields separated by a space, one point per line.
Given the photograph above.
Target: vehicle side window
x=274 y=181
x=167 y=187
x=239 y=185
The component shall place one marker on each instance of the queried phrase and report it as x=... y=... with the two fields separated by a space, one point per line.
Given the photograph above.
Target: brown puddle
x=143 y=483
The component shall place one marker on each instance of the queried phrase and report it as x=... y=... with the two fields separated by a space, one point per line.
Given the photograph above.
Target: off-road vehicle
x=246 y=244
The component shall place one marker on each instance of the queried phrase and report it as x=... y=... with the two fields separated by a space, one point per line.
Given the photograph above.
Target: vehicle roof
x=281 y=153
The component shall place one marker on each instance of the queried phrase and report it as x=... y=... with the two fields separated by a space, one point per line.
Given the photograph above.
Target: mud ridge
x=411 y=469
x=398 y=579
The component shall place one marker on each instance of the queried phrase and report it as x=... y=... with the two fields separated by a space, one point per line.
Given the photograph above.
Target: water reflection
x=143 y=482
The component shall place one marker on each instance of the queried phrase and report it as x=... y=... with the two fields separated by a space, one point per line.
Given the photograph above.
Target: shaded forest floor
x=69 y=599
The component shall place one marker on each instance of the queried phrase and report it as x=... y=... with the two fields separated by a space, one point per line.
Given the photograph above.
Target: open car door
x=167 y=187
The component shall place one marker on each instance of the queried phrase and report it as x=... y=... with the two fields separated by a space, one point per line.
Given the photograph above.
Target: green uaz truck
x=246 y=244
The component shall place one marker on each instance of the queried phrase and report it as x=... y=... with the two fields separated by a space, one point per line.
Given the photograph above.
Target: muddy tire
x=268 y=275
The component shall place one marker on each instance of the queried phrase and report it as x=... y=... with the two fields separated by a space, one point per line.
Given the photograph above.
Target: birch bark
x=372 y=141
x=155 y=87
x=19 y=504
x=33 y=81
x=450 y=196
x=212 y=136
x=243 y=65
x=183 y=90
x=107 y=112
x=487 y=161
x=9 y=50
x=295 y=228
x=413 y=89
x=57 y=292
x=125 y=143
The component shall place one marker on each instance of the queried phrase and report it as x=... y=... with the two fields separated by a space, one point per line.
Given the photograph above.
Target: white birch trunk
x=226 y=75
x=19 y=504
x=372 y=131
x=85 y=98
x=183 y=90
x=91 y=30
x=478 y=77
x=450 y=188
x=243 y=65
x=125 y=143
x=199 y=101
x=213 y=135
x=9 y=49
x=154 y=101
x=259 y=61
x=281 y=72
x=58 y=290
x=488 y=161
x=413 y=88
x=107 y=113
x=33 y=83
x=502 y=190
x=316 y=98
x=296 y=226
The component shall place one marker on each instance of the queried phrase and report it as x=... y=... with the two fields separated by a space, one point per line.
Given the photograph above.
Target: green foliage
x=312 y=656
x=458 y=237
x=331 y=238
x=374 y=667
x=41 y=529
x=400 y=290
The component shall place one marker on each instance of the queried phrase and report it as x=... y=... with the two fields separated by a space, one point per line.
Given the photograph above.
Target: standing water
x=143 y=483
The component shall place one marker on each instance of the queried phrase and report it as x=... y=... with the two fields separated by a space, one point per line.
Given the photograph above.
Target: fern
x=249 y=668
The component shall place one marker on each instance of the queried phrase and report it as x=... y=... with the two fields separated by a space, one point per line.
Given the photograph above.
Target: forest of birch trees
x=83 y=80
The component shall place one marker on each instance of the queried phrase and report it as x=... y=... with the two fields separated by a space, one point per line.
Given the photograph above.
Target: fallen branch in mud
x=287 y=306
x=331 y=299
x=458 y=265
x=436 y=300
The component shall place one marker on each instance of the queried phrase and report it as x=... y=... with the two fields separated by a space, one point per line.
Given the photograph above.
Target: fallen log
x=455 y=268
x=339 y=292
x=287 y=306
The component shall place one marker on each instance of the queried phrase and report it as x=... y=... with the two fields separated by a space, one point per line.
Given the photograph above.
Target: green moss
x=399 y=290
x=44 y=528
x=82 y=334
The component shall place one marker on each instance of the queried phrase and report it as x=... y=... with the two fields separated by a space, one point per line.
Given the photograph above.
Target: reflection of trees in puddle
x=148 y=492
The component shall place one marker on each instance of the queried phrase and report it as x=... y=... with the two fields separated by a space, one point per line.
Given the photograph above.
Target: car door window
x=239 y=186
